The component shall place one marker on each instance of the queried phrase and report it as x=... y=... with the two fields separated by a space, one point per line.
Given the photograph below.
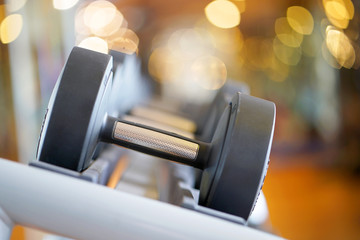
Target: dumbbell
x=234 y=163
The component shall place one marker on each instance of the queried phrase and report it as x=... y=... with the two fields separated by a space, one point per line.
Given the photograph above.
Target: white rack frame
x=78 y=209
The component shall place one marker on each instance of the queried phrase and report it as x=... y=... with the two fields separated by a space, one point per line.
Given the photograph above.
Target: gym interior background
x=302 y=55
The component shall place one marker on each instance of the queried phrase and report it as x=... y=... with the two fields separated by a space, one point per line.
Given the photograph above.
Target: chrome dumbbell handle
x=154 y=141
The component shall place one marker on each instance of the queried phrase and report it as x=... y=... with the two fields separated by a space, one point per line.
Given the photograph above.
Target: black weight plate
x=244 y=158
x=76 y=110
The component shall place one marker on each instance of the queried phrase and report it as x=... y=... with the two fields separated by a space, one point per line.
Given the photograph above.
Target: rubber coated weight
x=243 y=163
x=71 y=127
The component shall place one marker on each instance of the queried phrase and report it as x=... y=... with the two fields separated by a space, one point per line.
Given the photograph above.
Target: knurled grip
x=155 y=140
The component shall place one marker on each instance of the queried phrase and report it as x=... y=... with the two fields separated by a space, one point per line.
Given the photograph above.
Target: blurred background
x=302 y=55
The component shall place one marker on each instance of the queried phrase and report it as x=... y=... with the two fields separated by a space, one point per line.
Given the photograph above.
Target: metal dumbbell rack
x=72 y=207
x=158 y=203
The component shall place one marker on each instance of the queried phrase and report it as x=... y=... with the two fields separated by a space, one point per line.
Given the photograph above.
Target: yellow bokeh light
x=288 y=55
x=336 y=10
x=209 y=72
x=339 y=12
x=187 y=56
x=339 y=9
x=340 y=47
x=328 y=57
x=10 y=28
x=64 y=4
x=101 y=17
x=116 y=26
x=109 y=28
x=300 y=19
x=223 y=14
x=340 y=23
x=14 y=5
x=125 y=40
x=95 y=44
x=286 y=34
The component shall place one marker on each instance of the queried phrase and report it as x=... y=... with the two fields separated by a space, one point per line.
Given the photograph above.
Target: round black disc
x=76 y=110
x=240 y=171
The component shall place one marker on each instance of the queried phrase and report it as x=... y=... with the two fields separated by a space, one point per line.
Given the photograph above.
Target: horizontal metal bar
x=77 y=209
x=156 y=141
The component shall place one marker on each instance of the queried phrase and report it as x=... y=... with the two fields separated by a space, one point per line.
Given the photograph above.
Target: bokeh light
x=99 y=15
x=329 y=58
x=288 y=55
x=189 y=57
x=111 y=27
x=95 y=44
x=10 y=28
x=286 y=34
x=340 y=47
x=101 y=19
x=223 y=14
x=339 y=9
x=300 y=19
x=339 y=12
x=125 y=41
x=64 y=4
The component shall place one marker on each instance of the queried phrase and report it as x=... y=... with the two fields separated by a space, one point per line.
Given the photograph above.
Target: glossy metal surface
x=155 y=140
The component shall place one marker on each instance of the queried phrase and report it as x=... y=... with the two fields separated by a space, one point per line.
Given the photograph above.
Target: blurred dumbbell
x=234 y=162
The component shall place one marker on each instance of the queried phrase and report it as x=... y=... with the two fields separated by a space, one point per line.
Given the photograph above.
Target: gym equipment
x=75 y=209
x=234 y=163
